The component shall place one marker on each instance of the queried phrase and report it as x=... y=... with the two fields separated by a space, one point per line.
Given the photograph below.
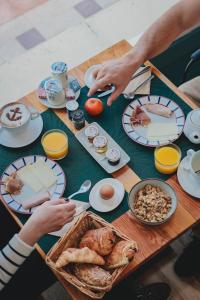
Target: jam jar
x=78 y=119
x=100 y=143
x=91 y=132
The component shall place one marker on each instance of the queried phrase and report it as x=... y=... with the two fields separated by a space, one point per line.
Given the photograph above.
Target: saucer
x=188 y=182
x=101 y=205
x=63 y=105
x=88 y=77
x=24 y=137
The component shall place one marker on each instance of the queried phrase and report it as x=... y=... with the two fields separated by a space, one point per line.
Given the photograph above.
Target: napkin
x=134 y=83
x=80 y=208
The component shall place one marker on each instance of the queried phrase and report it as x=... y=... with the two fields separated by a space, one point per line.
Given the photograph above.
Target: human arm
x=155 y=40
x=50 y=216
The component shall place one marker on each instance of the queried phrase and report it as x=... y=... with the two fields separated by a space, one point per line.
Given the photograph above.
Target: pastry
x=36 y=200
x=113 y=156
x=159 y=109
x=91 y=132
x=106 y=192
x=100 y=143
x=84 y=255
x=93 y=275
x=139 y=117
x=13 y=184
x=100 y=240
x=122 y=254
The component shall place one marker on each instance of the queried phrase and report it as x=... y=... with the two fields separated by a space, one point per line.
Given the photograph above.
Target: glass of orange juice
x=167 y=158
x=55 y=144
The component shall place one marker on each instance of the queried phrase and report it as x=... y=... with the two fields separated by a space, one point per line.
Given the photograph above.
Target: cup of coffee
x=192 y=164
x=55 y=92
x=59 y=71
x=15 y=116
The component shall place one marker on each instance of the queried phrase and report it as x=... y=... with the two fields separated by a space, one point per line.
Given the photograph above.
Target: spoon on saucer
x=83 y=189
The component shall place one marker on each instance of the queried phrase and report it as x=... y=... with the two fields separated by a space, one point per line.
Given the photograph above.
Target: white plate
x=63 y=105
x=101 y=158
x=14 y=201
x=88 y=77
x=102 y=205
x=24 y=136
x=188 y=182
x=139 y=133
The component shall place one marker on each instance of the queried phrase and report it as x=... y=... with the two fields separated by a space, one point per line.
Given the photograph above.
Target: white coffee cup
x=192 y=164
x=55 y=92
x=15 y=116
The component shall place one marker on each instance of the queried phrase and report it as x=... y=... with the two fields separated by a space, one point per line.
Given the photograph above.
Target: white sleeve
x=11 y=257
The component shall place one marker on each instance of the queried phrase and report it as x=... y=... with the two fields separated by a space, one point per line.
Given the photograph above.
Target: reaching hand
x=49 y=217
x=117 y=72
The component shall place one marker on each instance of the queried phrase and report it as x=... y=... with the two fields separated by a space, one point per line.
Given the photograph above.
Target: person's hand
x=49 y=217
x=117 y=72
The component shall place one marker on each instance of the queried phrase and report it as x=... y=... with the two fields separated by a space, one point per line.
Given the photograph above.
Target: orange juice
x=55 y=144
x=167 y=158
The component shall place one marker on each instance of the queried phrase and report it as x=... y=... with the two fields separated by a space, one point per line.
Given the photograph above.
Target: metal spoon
x=132 y=94
x=83 y=189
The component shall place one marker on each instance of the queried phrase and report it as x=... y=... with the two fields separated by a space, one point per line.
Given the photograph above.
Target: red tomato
x=94 y=106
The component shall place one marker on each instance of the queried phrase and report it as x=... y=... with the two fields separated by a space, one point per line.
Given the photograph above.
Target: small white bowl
x=88 y=77
x=155 y=182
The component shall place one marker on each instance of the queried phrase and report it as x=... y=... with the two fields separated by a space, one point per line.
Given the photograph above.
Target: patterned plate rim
x=29 y=213
x=161 y=144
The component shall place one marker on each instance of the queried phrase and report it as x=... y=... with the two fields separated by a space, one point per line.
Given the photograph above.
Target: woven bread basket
x=72 y=238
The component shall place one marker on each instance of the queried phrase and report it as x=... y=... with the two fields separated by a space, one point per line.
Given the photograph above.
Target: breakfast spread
x=100 y=143
x=13 y=184
x=106 y=192
x=113 y=155
x=152 y=204
x=91 y=132
x=139 y=117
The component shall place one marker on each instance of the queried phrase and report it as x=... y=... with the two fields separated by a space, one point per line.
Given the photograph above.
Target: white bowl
x=155 y=182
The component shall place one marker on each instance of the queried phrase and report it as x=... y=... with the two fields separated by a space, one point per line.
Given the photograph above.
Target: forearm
x=164 y=31
x=11 y=258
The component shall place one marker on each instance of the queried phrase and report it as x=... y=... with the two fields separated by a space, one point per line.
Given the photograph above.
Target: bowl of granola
x=152 y=201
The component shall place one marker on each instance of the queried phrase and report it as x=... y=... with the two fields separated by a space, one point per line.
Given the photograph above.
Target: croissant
x=84 y=255
x=100 y=240
x=122 y=253
x=92 y=275
x=13 y=184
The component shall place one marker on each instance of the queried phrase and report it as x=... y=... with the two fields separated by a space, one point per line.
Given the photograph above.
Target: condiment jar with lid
x=59 y=71
x=91 y=132
x=54 y=91
x=71 y=107
x=100 y=143
x=113 y=156
x=78 y=119
x=192 y=126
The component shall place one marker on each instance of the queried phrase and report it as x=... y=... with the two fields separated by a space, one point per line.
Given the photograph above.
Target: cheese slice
x=162 y=131
x=29 y=179
x=44 y=173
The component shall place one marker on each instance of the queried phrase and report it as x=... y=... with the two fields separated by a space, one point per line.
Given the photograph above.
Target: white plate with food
x=106 y=195
x=31 y=180
x=153 y=121
x=187 y=180
x=44 y=100
x=152 y=201
x=24 y=137
x=110 y=155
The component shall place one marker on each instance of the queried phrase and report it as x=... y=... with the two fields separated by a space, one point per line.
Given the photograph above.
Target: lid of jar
x=53 y=86
x=195 y=116
x=100 y=141
x=78 y=115
x=113 y=154
x=72 y=105
x=91 y=131
x=59 y=67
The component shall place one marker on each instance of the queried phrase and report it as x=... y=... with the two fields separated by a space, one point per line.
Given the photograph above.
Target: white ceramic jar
x=59 y=71
x=192 y=126
x=54 y=91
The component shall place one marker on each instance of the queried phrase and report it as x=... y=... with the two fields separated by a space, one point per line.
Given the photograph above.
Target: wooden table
x=150 y=240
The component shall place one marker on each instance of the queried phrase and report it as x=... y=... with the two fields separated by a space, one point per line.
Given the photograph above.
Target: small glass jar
x=71 y=107
x=78 y=119
x=113 y=156
x=100 y=143
x=91 y=132
x=59 y=71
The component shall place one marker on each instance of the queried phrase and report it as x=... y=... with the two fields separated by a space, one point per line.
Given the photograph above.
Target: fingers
x=100 y=84
x=114 y=95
